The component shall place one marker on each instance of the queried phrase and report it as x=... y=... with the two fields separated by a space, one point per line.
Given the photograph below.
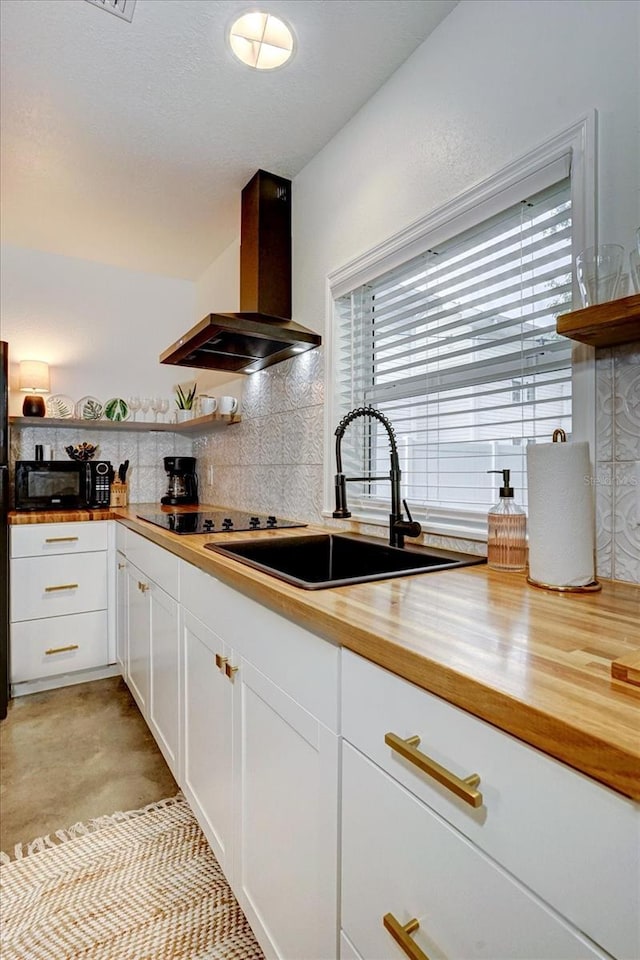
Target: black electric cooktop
x=218 y=521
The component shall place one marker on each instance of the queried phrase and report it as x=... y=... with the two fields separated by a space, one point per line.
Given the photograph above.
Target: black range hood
x=262 y=333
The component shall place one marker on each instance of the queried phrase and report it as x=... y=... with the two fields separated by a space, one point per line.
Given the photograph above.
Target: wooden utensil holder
x=119 y=494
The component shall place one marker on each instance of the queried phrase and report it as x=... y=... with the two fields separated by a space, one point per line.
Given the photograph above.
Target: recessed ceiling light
x=261 y=40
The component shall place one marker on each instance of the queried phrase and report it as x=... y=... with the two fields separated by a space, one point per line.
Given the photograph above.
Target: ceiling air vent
x=121 y=8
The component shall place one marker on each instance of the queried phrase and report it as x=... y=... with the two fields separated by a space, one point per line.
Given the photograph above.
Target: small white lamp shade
x=34 y=376
x=34 y=379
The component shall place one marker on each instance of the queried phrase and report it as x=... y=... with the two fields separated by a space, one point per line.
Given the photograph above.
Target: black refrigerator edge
x=4 y=528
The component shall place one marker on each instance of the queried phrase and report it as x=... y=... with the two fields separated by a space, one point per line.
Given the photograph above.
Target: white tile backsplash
x=618 y=458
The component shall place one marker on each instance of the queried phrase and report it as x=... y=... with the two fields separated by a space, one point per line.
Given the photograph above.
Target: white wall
x=495 y=80
x=100 y=327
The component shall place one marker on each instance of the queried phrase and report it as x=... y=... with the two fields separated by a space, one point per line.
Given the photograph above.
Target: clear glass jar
x=507 y=536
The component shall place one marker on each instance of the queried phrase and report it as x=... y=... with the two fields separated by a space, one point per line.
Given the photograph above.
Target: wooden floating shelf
x=605 y=324
x=187 y=426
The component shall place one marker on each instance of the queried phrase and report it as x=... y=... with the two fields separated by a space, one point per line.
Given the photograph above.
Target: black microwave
x=62 y=484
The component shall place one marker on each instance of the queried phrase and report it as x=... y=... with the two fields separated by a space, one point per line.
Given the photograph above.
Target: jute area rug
x=141 y=885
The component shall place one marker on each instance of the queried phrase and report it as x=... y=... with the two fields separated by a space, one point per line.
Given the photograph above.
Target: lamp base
x=33 y=406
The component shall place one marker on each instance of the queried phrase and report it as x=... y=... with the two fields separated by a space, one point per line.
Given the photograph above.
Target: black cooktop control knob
x=208 y=526
x=254 y=523
x=272 y=521
x=227 y=523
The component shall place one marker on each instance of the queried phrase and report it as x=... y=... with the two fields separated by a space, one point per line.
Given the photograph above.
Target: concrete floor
x=71 y=754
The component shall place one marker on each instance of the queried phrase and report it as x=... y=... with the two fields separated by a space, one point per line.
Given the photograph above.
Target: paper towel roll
x=561 y=518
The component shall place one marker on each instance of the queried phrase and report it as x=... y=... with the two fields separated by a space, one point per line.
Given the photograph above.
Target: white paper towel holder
x=559 y=436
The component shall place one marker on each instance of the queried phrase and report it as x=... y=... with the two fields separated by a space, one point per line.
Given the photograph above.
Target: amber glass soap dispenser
x=507 y=530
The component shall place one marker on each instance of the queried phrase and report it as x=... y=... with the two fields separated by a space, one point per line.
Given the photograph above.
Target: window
x=456 y=345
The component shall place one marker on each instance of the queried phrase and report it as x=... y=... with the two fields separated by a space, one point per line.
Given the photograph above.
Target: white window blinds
x=458 y=348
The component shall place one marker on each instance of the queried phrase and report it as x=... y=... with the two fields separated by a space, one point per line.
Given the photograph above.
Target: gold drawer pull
x=220 y=661
x=465 y=789
x=401 y=935
x=61 y=586
x=72 y=646
x=230 y=671
x=60 y=539
x=143 y=587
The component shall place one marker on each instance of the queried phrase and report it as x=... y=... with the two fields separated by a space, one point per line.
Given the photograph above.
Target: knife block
x=119 y=494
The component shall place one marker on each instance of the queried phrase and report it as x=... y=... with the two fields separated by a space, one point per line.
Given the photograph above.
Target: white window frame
x=473 y=206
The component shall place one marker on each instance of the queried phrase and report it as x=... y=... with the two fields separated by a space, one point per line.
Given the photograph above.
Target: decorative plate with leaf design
x=60 y=407
x=116 y=409
x=89 y=408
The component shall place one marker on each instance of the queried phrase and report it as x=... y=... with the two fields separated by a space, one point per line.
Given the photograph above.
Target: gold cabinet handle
x=121 y=566
x=60 y=539
x=220 y=661
x=230 y=671
x=465 y=789
x=143 y=587
x=401 y=934
x=72 y=646
x=61 y=586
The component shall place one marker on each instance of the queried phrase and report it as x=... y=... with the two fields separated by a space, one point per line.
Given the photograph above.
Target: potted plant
x=184 y=402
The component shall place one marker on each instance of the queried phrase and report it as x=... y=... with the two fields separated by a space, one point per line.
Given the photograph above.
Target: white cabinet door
x=207 y=772
x=164 y=675
x=286 y=864
x=139 y=637
x=122 y=612
x=400 y=859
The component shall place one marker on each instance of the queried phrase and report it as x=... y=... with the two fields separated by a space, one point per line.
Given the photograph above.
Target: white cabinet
x=151 y=642
x=61 y=603
x=164 y=674
x=261 y=766
x=122 y=612
x=286 y=849
x=208 y=735
x=564 y=840
x=402 y=862
x=139 y=647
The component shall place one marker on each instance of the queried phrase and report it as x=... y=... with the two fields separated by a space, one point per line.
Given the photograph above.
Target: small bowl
x=82 y=451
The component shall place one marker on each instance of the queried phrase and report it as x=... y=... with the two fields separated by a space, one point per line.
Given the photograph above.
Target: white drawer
x=302 y=664
x=43 y=539
x=57 y=586
x=44 y=648
x=400 y=858
x=157 y=564
x=571 y=840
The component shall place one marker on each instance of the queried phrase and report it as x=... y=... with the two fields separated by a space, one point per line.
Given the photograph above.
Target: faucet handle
x=410 y=528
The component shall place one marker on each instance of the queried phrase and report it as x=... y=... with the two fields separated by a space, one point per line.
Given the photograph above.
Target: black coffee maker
x=183 y=481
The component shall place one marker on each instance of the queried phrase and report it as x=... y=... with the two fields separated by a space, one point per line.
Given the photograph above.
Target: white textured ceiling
x=129 y=143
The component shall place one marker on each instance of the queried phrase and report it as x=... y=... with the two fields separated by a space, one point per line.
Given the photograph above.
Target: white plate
x=89 y=408
x=116 y=409
x=60 y=407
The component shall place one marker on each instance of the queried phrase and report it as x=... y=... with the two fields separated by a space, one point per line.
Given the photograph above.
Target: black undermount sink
x=318 y=561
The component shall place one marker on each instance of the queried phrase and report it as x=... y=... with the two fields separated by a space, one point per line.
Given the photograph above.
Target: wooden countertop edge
x=610 y=763
x=597 y=757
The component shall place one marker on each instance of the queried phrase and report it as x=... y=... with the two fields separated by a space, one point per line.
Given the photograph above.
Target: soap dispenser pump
x=507 y=530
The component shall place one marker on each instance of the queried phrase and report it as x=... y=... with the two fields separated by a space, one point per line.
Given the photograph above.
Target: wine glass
x=145 y=403
x=163 y=407
x=134 y=405
x=155 y=406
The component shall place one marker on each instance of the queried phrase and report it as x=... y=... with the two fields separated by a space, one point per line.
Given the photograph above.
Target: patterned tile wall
x=272 y=460
x=146 y=477
x=618 y=462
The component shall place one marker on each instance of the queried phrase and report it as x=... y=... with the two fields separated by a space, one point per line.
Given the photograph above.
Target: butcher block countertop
x=535 y=663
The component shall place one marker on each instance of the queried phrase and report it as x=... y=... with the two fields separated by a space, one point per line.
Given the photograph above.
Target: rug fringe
x=22 y=850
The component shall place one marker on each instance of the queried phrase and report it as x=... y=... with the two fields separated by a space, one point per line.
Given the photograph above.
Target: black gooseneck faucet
x=399 y=528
